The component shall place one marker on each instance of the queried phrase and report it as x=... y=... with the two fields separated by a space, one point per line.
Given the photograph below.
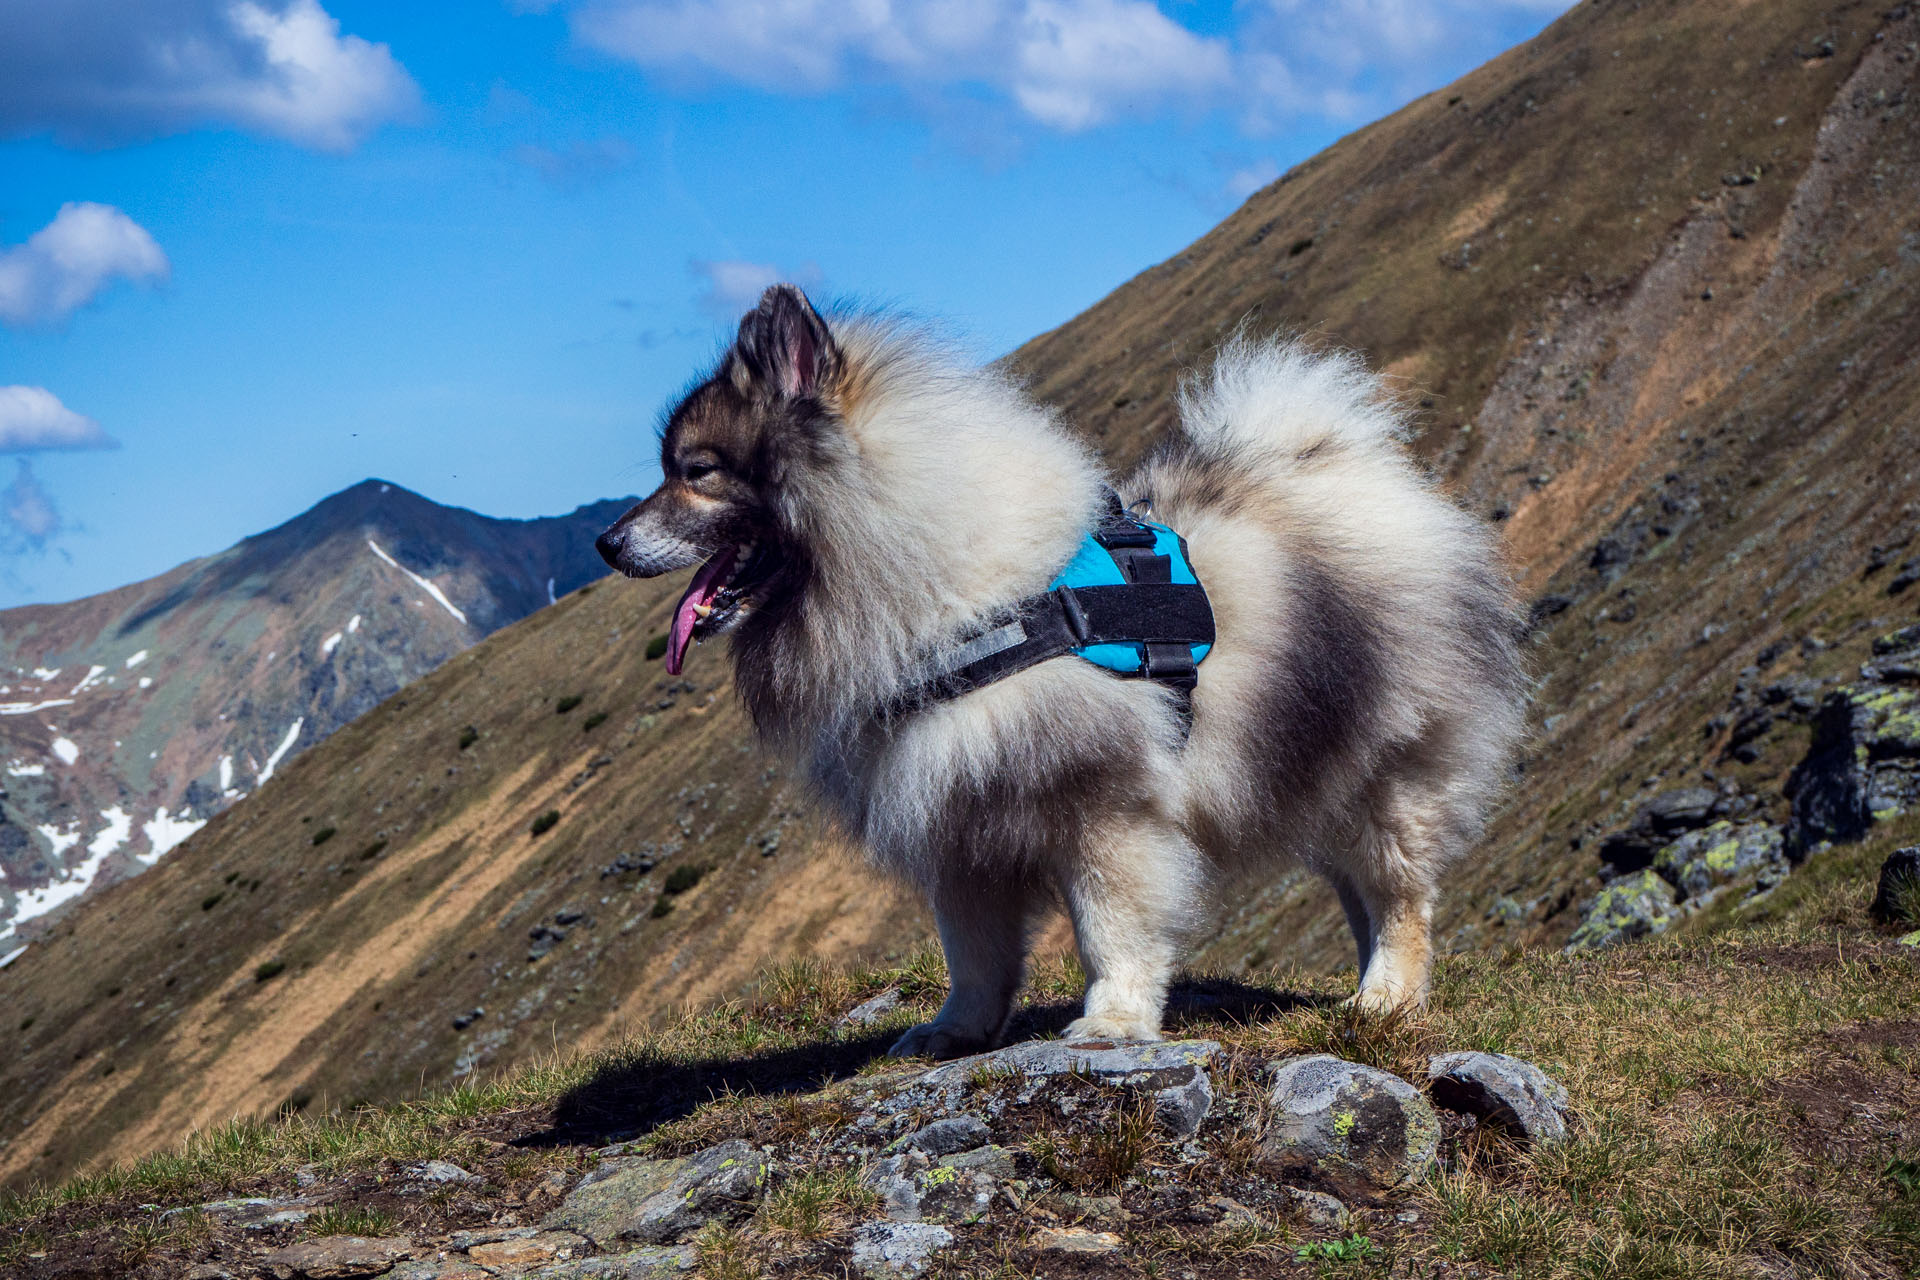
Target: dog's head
x=725 y=456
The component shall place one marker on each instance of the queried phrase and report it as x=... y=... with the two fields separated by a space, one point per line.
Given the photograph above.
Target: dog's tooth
x=702 y=610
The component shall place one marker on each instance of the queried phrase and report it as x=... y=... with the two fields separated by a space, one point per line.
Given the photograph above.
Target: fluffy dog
x=863 y=503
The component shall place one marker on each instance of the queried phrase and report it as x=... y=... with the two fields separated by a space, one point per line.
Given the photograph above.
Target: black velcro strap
x=1166 y=611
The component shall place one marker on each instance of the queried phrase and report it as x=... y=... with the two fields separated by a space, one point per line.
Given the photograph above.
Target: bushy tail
x=1268 y=402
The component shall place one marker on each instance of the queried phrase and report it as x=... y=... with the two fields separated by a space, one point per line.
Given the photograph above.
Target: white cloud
x=32 y=419
x=731 y=288
x=64 y=264
x=104 y=71
x=28 y=518
x=1069 y=64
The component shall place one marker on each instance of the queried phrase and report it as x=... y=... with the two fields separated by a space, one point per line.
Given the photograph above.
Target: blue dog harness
x=1127 y=601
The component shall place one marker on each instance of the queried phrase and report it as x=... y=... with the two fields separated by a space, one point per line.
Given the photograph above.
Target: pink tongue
x=705 y=586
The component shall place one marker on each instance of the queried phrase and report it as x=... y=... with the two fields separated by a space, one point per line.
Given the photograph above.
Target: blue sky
x=253 y=251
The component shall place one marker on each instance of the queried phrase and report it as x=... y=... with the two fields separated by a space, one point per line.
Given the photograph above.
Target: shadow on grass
x=636 y=1095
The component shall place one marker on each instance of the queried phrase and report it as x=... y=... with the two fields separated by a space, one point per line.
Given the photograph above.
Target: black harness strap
x=1151 y=610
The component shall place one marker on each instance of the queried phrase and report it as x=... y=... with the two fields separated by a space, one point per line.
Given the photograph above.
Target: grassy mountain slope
x=133 y=716
x=1689 y=477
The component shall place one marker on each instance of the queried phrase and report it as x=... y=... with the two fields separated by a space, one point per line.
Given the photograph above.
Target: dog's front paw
x=935 y=1040
x=1110 y=1029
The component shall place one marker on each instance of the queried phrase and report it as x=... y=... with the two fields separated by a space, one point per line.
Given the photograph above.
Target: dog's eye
x=697 y=471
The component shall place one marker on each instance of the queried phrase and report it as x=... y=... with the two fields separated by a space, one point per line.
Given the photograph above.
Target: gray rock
x=652 y=1262
x=1680 y=810
x=1862 y=766
x=1899 y=887
x=1353 y=1124
x=453 y=1268
x=1500 y=1090
x=944 y=1137
x=996 y=1162
x=336 y=1258
x=440 y=1171
x=1180 y=1107
x=661 y=1201
x=1074 y=1240
x=1702 y=862
x=1318 y=1209
x=254 y=1213
x=897 y=1248
x=1631 y=907
x=1175 y=1071
x=960 y=1188
x=870 y=1011
x=1100 y=1058
x=464 y=1240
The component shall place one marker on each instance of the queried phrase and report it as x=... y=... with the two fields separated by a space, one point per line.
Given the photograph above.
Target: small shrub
x=682 y=878
x=1355 y=1248
x=1903 y=899
x=594 y=721
x=468 y=736
x=1905 y=1174
x=1103 y=1159
x=567 y=703
x=373 y=850
x=26 y=1022
x=342 y=1220
x=323 y=835
x=662 y=906
x=657 y=647
x=211 y=901
x=545 y=822
x=269 y=970
x=819 y=1202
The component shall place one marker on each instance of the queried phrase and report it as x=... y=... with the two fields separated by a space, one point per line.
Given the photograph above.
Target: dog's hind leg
x=983 y=931
x=1129 y=897
x=1358 y=919
x=1394 y=872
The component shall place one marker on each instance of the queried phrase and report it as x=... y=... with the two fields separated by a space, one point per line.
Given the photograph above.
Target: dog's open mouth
x=719 y=595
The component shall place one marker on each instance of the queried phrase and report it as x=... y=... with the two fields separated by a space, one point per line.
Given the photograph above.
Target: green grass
x=344 y=1220
x=818 y=1202
x=269 y=970
x=545 y=822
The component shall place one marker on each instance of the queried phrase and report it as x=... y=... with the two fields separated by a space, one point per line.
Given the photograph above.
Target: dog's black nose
x=608 y=545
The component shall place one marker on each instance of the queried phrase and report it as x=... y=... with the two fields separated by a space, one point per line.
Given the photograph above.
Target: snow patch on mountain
x=28 y=708
x=164 y=833
x=92 y=678
x=279 y=752
x=18 y=770
x=136 y=659
x=328 y=645
x=423 y=584
x=66 y=749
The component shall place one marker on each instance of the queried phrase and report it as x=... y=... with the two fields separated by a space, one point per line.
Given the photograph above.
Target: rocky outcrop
x=661 y=1201
x=1503 y=1092
x=1355 y=1125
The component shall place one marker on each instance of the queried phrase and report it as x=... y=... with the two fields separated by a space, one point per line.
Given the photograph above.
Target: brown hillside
x=1650 y=279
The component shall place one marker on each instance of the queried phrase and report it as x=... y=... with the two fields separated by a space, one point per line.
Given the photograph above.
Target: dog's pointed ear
x=786 y=345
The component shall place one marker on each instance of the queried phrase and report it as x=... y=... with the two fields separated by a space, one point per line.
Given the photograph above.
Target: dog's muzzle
x=628 y=548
